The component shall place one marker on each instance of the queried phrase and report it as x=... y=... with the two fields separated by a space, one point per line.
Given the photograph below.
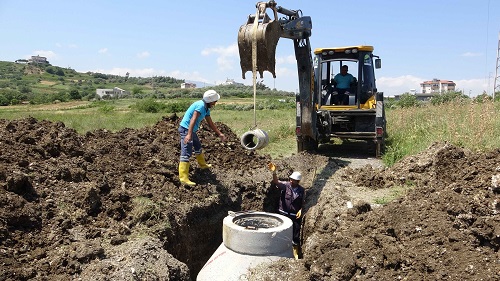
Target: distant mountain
x=200 y=84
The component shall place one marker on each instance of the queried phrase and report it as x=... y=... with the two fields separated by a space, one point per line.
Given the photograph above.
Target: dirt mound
x=67 y=200
x=446 y=227
x=109 y=206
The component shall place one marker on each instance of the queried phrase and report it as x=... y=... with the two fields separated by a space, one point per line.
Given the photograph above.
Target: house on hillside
x=437 y=86
x=231 y=82
x=188 y=85
x=112 y=93
x=38 y=60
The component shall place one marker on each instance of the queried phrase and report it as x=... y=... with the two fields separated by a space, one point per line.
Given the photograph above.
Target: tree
x=59 y=72
x=74 y=94
x=50 y=70
x=136 y=91
x=3 y=100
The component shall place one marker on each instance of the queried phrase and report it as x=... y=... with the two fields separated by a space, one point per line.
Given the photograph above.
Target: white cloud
x=192 y=76
x=398 y=85
x=473 y=87
x=286 y=60
x=470 y=54
x=225 y=63
x=231 y=50
x=103 y=51
x=225 y=55
x=143 y=55
x=48 y=54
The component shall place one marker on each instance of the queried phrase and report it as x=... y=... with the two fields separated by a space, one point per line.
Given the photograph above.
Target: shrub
x=448 y=97
x=408 y=100
x=175 y=107
x=3 y=100
x=149 y=105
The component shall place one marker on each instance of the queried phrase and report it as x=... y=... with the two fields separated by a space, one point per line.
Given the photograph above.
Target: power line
x=496 y=86
x=487 y=31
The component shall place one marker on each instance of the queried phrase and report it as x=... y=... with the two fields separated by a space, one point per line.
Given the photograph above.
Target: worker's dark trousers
x=296 y=230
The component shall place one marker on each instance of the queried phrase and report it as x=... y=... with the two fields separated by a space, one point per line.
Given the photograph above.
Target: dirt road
x=109 y=206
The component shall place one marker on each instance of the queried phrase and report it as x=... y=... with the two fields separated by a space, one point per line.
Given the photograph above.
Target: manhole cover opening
x=256 y=221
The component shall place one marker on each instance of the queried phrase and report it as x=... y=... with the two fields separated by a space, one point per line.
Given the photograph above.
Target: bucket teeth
x=268 y=35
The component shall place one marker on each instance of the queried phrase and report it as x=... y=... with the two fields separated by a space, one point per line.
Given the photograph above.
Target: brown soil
x=109 y=206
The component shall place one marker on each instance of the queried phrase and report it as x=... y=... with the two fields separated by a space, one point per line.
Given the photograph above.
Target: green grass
x=278 y=124
x=466 y=124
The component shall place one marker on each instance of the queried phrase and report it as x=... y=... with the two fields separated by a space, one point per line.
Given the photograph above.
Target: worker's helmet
x=210 y=96
x=296 y=176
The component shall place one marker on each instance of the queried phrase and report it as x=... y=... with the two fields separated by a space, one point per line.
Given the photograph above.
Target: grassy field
x=411 y=130
x=475 y=126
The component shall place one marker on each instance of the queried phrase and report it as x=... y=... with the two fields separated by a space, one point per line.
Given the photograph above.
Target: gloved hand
x=299 y=213
x=272 y=167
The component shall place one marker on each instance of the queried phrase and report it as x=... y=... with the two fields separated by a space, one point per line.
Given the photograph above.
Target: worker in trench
x=190 y=123
x=292 y=196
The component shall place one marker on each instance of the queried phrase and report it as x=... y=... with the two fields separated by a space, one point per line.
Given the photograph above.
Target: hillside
x=45 y=83
x=37 y=84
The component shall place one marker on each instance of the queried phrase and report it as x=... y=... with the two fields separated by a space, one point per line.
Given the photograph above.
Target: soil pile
x=109 y=206
x=68 y=202
x=446 y=227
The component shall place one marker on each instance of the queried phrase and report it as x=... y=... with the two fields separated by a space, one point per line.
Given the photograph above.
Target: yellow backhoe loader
x=321 y=114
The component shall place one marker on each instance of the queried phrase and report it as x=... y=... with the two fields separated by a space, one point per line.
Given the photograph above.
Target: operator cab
x=338 y=83
x=349 y=90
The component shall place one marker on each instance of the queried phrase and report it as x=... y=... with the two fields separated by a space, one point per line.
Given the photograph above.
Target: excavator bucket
x=267 y=35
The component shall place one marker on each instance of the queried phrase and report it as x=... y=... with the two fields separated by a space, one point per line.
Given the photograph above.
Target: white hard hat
x=296 y=176
x=210 y=96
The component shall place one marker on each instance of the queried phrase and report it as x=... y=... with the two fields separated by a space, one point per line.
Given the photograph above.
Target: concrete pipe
x=255 y=139
x=249 y=239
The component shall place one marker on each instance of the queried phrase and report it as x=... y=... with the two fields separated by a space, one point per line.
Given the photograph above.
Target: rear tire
x=376 y=147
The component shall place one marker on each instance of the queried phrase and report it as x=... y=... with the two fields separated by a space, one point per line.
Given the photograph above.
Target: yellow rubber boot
x=201 y=161
x=184 y=173
x=296 y=251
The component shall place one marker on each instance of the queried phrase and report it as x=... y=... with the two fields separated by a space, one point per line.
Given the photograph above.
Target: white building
x=188 y=85
x=38 y=59
x=113 y=93
x=437 y=86
x=232 y=82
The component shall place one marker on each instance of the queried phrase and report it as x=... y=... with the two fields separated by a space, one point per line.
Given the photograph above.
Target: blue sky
x=197 y=40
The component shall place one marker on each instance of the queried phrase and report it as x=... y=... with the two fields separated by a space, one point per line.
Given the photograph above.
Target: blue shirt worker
x=190 y=123
x=342 y=82
x=292 y=196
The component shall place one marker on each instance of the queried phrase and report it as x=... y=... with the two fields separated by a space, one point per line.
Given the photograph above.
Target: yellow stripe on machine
x=342 y=49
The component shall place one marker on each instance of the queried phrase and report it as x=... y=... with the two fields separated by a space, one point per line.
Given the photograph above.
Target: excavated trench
x=109 y=206
x=199 y=237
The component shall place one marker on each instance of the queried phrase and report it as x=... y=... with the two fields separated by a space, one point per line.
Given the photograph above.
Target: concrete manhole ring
x=257 y=233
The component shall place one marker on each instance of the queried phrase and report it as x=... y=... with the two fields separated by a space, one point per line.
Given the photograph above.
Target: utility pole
x=496 y=86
